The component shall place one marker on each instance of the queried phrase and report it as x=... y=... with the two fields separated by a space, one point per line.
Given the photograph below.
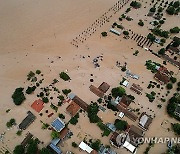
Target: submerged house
x=145 y=121
x=27 y=121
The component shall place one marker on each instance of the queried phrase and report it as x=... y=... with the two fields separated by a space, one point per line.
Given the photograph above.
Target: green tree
x=125 y=32
x=92 y=113
x=104 y=34
x=175 y=30
x=161 y=51
x=121 y=124
x=153 y=9
x=118 y=91
x=45 y=99
x=18 y=96
x=176 y=128
x=96 y=145
x=74 y=144
x=173 y=79
x=30 y=90
x=32 y=146
x=38 y=72
x=169 y=86
x=151 y=37
x=45 y=151
x=54 y=134
x=19 y=149
x=66 y=91
x=141 y=23
x=64 y=76
x=170 y=10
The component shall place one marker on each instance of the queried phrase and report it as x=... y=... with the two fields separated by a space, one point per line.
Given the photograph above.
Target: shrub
x=175 y=30
x=169 y=86
x=125 y=32
x=74 y=145
x=64 y=76
x=45 y=99
x=173 y=79
x=141 y=23
x=19 y=132
x=54 y=134
x=66 y=91
x=30 y=90
x=176 y=128
x=61 y=116
x=151 y=37
x=18 y=96
x=161 y=51
x=104 y=34
x=153 y=9
x=38 y=72
x=120 y=27
x=135 y=4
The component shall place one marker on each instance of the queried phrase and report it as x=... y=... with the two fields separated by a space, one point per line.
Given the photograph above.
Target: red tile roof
x=38 y=105
x=73 y=108
x=96 y=91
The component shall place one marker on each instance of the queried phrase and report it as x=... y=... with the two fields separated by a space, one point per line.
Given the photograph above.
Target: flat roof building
x=58 y=124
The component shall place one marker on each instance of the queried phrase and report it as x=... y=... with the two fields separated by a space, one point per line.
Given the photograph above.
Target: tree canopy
x=18 y=96
x=121 y=124
x=118 y=91
x=19 y=149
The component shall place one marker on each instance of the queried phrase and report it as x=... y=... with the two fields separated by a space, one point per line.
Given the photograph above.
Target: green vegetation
x=54 y=134
x=74 y=144
x=172 y=104
x=151 y=96
x=32 y=146
x=19 y=149
x=174 y=150
x=141 y=23
x=126 y=33
x=45 y=125
x=74 y=120
x=62 y=116
x=38 y=72
x=160 y=32
x=135 y=4
x=176 y=128
x=104 y=128
x=173 y=79
x=10 y=123
x=161 y=51
x=30 y=75
x=136 y=53
x=64 y=76
x=66 y=91
x=104 y=34
x=121 y=124
x=18 y=96
x=151 y=37
x=45 y=99
x=45 y=151
x=30 y=90
x=120 y=27
x=169 y=86
x=18 y=133
x=54 y=107
x=151 y=144
x=175 y=30
x=96 y=145
x=153 y=9
x=93 y=109
x=118 y=91
x=151 y=66
x=176 y=42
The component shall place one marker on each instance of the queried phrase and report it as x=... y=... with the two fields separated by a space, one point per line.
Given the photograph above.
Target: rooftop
x=38 y=105
x=145 y=121
x=58 y=125
x=27 y=121
x=81 y=103
x=85 y=147
x=104 y=87
x=136 y=88
x=73 y=108
x=125 y=101
x=96 y=91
